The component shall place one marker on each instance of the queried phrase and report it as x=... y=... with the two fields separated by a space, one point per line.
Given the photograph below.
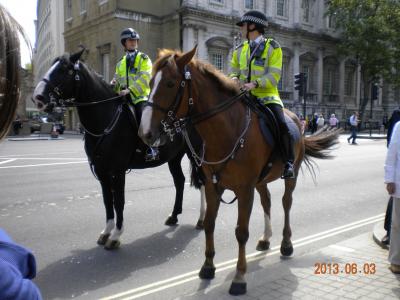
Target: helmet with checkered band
x=129 y=33
x=254 y=17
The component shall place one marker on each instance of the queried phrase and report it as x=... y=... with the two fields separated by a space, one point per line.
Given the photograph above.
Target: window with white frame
x=282 y=80
x=329 y=82
x=248 y=4
x=331 y=21
x=305 y=5
x=83 y=6
x=218 y=59
x=281 y=7
x=68 y=13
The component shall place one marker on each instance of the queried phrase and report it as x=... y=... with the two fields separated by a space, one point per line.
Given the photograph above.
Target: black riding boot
x=288 y=171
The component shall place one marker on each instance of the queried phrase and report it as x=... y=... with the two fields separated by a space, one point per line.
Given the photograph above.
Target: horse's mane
x=10 y=61
x=204 y=68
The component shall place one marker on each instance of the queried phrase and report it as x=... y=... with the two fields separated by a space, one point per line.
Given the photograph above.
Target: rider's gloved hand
x=124 y=92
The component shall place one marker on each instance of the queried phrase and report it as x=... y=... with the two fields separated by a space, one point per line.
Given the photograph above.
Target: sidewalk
x=296 y=278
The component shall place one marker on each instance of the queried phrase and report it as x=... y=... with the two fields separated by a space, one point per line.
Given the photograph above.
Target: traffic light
x=300 y=83
x=374 y=92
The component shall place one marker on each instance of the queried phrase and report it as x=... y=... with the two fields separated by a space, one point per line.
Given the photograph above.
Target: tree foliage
x=370 y=32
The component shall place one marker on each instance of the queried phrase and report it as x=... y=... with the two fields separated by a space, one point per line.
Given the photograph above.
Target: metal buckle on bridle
x=188 y=76
x=177 y=126
x=190 y=101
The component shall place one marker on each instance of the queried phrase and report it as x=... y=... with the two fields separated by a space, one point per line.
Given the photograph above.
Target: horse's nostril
x=39 y=105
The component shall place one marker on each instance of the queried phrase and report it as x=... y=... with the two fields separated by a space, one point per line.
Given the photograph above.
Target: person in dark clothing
x=388 y=216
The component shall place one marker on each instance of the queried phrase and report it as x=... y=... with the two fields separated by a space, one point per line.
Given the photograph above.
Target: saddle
x=270 y=130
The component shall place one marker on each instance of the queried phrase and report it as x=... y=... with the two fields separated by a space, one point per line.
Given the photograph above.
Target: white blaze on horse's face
x=145 y=124
x=39 y=95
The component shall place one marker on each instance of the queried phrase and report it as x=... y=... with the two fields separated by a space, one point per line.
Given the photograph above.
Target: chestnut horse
x=186 y=92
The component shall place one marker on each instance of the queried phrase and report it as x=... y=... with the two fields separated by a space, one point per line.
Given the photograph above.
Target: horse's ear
x=74 y=57
x=185 y=58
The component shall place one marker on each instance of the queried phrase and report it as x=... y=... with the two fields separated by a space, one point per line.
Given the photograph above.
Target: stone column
x=296 y=12
x=269 y=8
x=188 y=37
x=296 y=67
x=341 y=80
x=321 y=12
x=320 y=75
x=201 y=43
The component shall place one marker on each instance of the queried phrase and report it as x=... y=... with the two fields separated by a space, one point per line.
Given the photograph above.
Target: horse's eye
x=170 y=84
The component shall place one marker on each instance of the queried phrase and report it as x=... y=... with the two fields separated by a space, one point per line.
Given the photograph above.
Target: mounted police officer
x=256 y=66
x=132 y=77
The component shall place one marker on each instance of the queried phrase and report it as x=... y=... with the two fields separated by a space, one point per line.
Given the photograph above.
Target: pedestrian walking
x=333 y=121
x=320 y=121
x=353 y=127
x=392 y=181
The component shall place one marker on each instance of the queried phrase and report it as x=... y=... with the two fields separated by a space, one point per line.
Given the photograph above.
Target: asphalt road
x=51 y=203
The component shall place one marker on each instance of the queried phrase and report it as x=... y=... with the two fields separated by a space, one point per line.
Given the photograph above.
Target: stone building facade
x=305 y=34
x=49 y=35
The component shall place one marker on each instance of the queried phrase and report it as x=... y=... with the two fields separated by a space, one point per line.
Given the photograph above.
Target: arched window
x=218 y=52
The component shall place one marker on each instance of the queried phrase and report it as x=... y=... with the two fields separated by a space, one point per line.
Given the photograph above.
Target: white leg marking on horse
x=202 y=202
x=109 y=227
x=267 y=228
x=116 y=234
x=148 y=110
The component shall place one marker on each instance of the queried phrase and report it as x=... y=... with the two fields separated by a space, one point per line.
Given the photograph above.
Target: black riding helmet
x=254 y=17
x=129 y=33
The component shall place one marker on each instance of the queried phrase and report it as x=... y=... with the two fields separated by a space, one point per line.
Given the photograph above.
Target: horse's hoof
x=171 y=221
x=103 y=239
x=262 y=245
x=286 y=249
x=112 y=245
x=238 y=288
x=207 y=272
x=200 y=225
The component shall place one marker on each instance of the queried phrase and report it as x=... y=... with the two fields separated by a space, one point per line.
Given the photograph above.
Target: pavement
x=360 y=263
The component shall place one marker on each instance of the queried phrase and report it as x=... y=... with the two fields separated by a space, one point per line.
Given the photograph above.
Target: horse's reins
x=179 y=125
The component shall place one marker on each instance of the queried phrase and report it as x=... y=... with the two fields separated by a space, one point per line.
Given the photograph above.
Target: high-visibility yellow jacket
x=139 y=75
x=265 y=69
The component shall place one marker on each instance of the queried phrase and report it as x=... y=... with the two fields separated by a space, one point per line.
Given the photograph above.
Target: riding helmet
x=129 y=33
x=254 y=17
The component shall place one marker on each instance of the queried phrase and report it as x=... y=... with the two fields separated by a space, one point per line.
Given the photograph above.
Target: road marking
x=231 y=264
x=42 y=165
x=51 y=153
x=341 y=248
x=7 y=161
x=47 y=158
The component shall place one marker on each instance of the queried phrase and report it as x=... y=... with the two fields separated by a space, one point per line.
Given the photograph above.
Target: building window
x=219 y=2
x=349 y=81
x=281 y=8
x=306 y=70
x=105 y=66
x=249 y=4
x=101 y=2
x=329 y=82
x=218 y=59
x=331 y=21
x=69 y=9
x=305 y=5
x=83 y=6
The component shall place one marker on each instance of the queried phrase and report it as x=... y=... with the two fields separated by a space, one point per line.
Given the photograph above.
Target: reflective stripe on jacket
x=139 y=77
x=265 y=70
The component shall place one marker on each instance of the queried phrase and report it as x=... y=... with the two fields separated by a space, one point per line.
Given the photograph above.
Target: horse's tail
x=319 y=145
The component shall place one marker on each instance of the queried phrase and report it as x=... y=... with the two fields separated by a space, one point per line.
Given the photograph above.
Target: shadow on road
x=88 y=270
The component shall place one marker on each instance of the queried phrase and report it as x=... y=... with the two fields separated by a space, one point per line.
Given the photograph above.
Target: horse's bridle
x=174 y=124
x=177 y=125
x=71 y=102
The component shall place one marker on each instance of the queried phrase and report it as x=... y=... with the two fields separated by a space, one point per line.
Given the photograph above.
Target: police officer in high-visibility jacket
x=132 y=76
x=256 y=66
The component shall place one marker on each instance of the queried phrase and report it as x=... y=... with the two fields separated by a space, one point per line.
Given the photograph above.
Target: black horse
x=111 y=140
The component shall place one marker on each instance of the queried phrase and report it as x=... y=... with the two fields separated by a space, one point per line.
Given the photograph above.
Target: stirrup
x=152 y=154
x=288 y=171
